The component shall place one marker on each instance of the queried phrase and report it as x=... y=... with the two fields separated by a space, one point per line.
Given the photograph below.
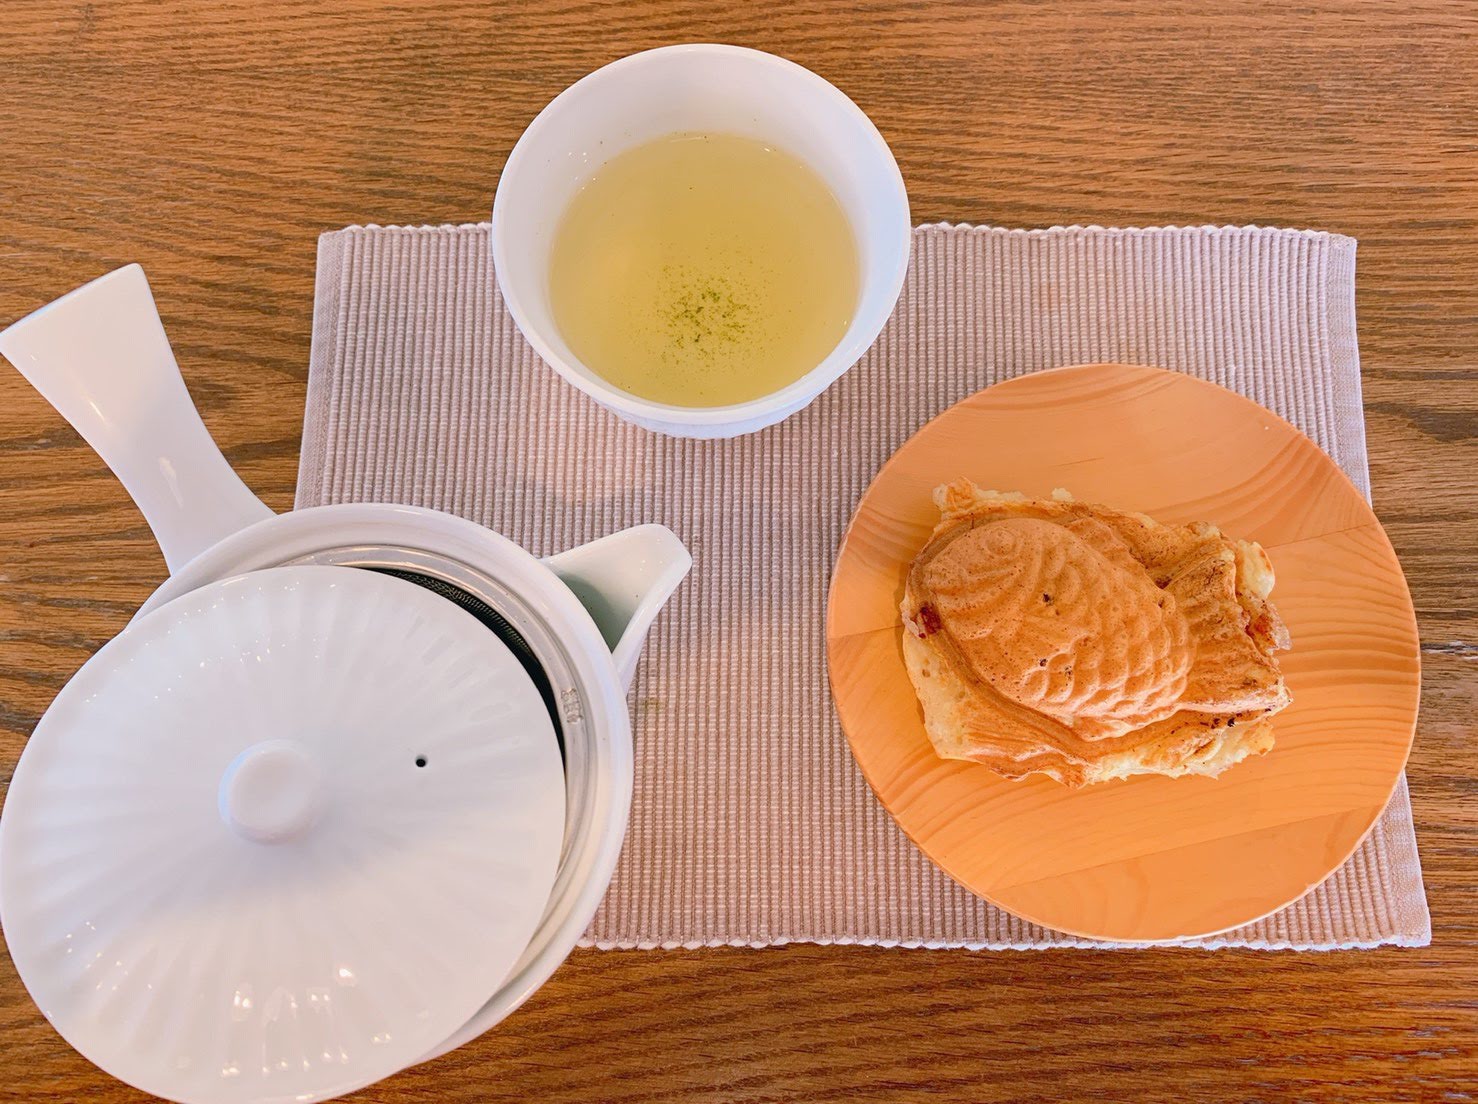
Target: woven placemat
x=751 y=824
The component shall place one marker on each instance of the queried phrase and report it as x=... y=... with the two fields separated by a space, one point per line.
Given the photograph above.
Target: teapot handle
x=101 y=357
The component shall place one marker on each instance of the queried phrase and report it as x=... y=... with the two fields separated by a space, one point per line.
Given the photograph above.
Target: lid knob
x=271 y=792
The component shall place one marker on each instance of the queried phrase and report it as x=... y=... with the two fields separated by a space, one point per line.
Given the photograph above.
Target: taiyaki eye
x=1003 y=540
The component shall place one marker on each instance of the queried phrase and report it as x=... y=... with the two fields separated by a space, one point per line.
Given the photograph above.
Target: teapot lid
x=281 y=837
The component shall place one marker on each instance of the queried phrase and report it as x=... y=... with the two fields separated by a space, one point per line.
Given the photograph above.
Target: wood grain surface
x=212 y=142
x=1152 y=858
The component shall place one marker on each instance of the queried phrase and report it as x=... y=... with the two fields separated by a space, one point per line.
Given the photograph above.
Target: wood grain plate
x=1148 y=858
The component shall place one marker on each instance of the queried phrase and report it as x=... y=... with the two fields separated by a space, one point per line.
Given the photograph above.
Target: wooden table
x=212 y=143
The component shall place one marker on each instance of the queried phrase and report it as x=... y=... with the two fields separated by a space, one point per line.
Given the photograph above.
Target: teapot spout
x=624 y=580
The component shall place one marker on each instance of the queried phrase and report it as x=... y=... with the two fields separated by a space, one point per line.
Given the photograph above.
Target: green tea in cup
x=703 y=270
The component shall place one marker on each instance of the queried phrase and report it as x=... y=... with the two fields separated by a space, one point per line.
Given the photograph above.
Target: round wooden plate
x=1148 y=858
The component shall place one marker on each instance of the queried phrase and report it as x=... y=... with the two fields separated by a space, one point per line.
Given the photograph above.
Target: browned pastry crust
x=1059 y=637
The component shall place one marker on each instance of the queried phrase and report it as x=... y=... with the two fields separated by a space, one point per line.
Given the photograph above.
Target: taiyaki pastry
x=1057 y=637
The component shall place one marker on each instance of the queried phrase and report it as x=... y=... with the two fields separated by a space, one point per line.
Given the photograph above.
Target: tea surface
x=703 y=270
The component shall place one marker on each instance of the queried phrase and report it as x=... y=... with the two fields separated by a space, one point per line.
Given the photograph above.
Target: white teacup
x=718 y=89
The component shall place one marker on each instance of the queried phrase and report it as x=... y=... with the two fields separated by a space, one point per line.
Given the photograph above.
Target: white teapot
x=574 y=625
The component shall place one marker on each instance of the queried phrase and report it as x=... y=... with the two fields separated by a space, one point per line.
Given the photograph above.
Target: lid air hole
x=420 y=760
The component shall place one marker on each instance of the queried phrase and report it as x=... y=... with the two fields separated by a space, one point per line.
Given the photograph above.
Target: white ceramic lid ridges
x=281 y=837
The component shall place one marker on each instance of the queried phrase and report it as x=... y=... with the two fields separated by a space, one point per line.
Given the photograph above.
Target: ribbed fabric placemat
x=751 y=824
